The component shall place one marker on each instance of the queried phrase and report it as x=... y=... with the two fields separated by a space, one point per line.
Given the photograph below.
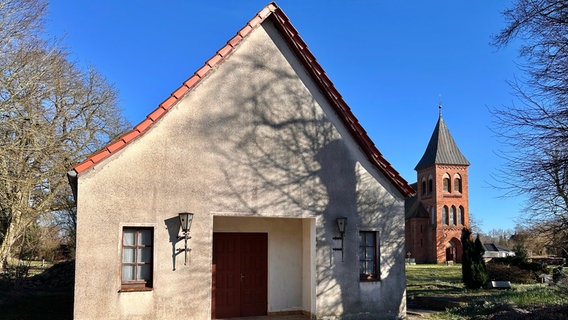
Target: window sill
x=369 y=279
x=139 y=289
x=453 y=226
x=452 y=195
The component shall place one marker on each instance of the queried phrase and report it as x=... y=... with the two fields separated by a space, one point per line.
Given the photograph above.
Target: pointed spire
x=442 y=149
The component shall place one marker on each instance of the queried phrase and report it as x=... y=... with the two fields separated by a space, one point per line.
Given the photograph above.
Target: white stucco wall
x=255 y=139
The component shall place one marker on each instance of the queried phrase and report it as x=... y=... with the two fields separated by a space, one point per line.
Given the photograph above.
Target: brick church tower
x=437 y=213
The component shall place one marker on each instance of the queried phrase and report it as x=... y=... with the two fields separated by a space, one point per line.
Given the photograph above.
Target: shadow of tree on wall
x=281 y=155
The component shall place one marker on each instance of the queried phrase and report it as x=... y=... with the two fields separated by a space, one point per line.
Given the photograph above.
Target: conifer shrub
x=480 y=276
x=474 y=272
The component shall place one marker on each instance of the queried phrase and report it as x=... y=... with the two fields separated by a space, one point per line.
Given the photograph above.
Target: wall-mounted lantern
x=341 y=223
x=185 y=219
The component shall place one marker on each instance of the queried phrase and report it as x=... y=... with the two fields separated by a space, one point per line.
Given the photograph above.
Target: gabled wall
x=254 y=139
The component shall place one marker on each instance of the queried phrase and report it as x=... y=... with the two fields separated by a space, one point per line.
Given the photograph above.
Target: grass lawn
x=440 y=286
x=25 y=268
x=428 y=286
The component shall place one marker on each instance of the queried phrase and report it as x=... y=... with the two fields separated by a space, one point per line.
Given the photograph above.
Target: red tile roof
x=291 y=35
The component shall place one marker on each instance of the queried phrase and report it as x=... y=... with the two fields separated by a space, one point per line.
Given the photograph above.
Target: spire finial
x=440 y=105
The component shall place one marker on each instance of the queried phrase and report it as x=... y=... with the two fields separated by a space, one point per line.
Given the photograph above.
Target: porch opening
x=262 y=266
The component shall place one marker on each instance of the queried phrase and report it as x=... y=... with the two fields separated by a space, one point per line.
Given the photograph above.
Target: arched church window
x=461 y=216
x=446 y=181
x=423 y=186
x=453 y=216
x=445 y=215
x=457 y=183
x=430 y=185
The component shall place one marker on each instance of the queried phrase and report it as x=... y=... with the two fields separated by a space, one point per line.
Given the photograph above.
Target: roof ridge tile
x=192 y=81
x=168 y=103
x=145 y=124
x=156 y=114
x=234 y=41
x=84 y=165
x=127 y=137
x=245 y=30
x=100 y=156
x=266 y=11
x=181 y=91
x=202 y=72
x=223 y=52
x=215 y=60
x=254 y=22
x=115 y=146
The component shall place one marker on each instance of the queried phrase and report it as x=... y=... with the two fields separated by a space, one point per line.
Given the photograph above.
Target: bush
x=515 y=274
x=561 y=280
x=558 y=275
x=515 y=269
x=522 y=263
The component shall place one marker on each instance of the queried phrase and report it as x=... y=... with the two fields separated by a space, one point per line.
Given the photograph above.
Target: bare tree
x=542 y=25
x=536 y=130
x=499 y=236
x=51 y=115
x=21 y=20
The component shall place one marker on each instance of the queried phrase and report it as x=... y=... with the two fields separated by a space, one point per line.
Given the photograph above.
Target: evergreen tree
x=466 y=256
x=474 y=273
x=480 y=276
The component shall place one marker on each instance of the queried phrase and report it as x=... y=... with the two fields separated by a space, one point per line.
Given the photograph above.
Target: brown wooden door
x=239 y=274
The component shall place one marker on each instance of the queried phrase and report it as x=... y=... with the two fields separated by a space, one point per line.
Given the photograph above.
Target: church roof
x=414 y=208
x=442 y=149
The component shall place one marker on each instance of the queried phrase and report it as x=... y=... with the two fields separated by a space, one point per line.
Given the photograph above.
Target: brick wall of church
x=444 y=203
x=419 y=239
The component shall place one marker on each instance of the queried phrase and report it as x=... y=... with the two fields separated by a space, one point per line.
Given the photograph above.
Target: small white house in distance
x=493 y=250
x=290 y=208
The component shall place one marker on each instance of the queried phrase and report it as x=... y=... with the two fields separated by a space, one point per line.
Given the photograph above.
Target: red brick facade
x=435 y=238
x=439 y=211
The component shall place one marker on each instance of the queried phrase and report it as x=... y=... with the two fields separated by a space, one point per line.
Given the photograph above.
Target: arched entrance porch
x=454 y=250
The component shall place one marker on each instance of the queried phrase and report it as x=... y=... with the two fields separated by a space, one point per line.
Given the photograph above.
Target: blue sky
x=393 y=62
